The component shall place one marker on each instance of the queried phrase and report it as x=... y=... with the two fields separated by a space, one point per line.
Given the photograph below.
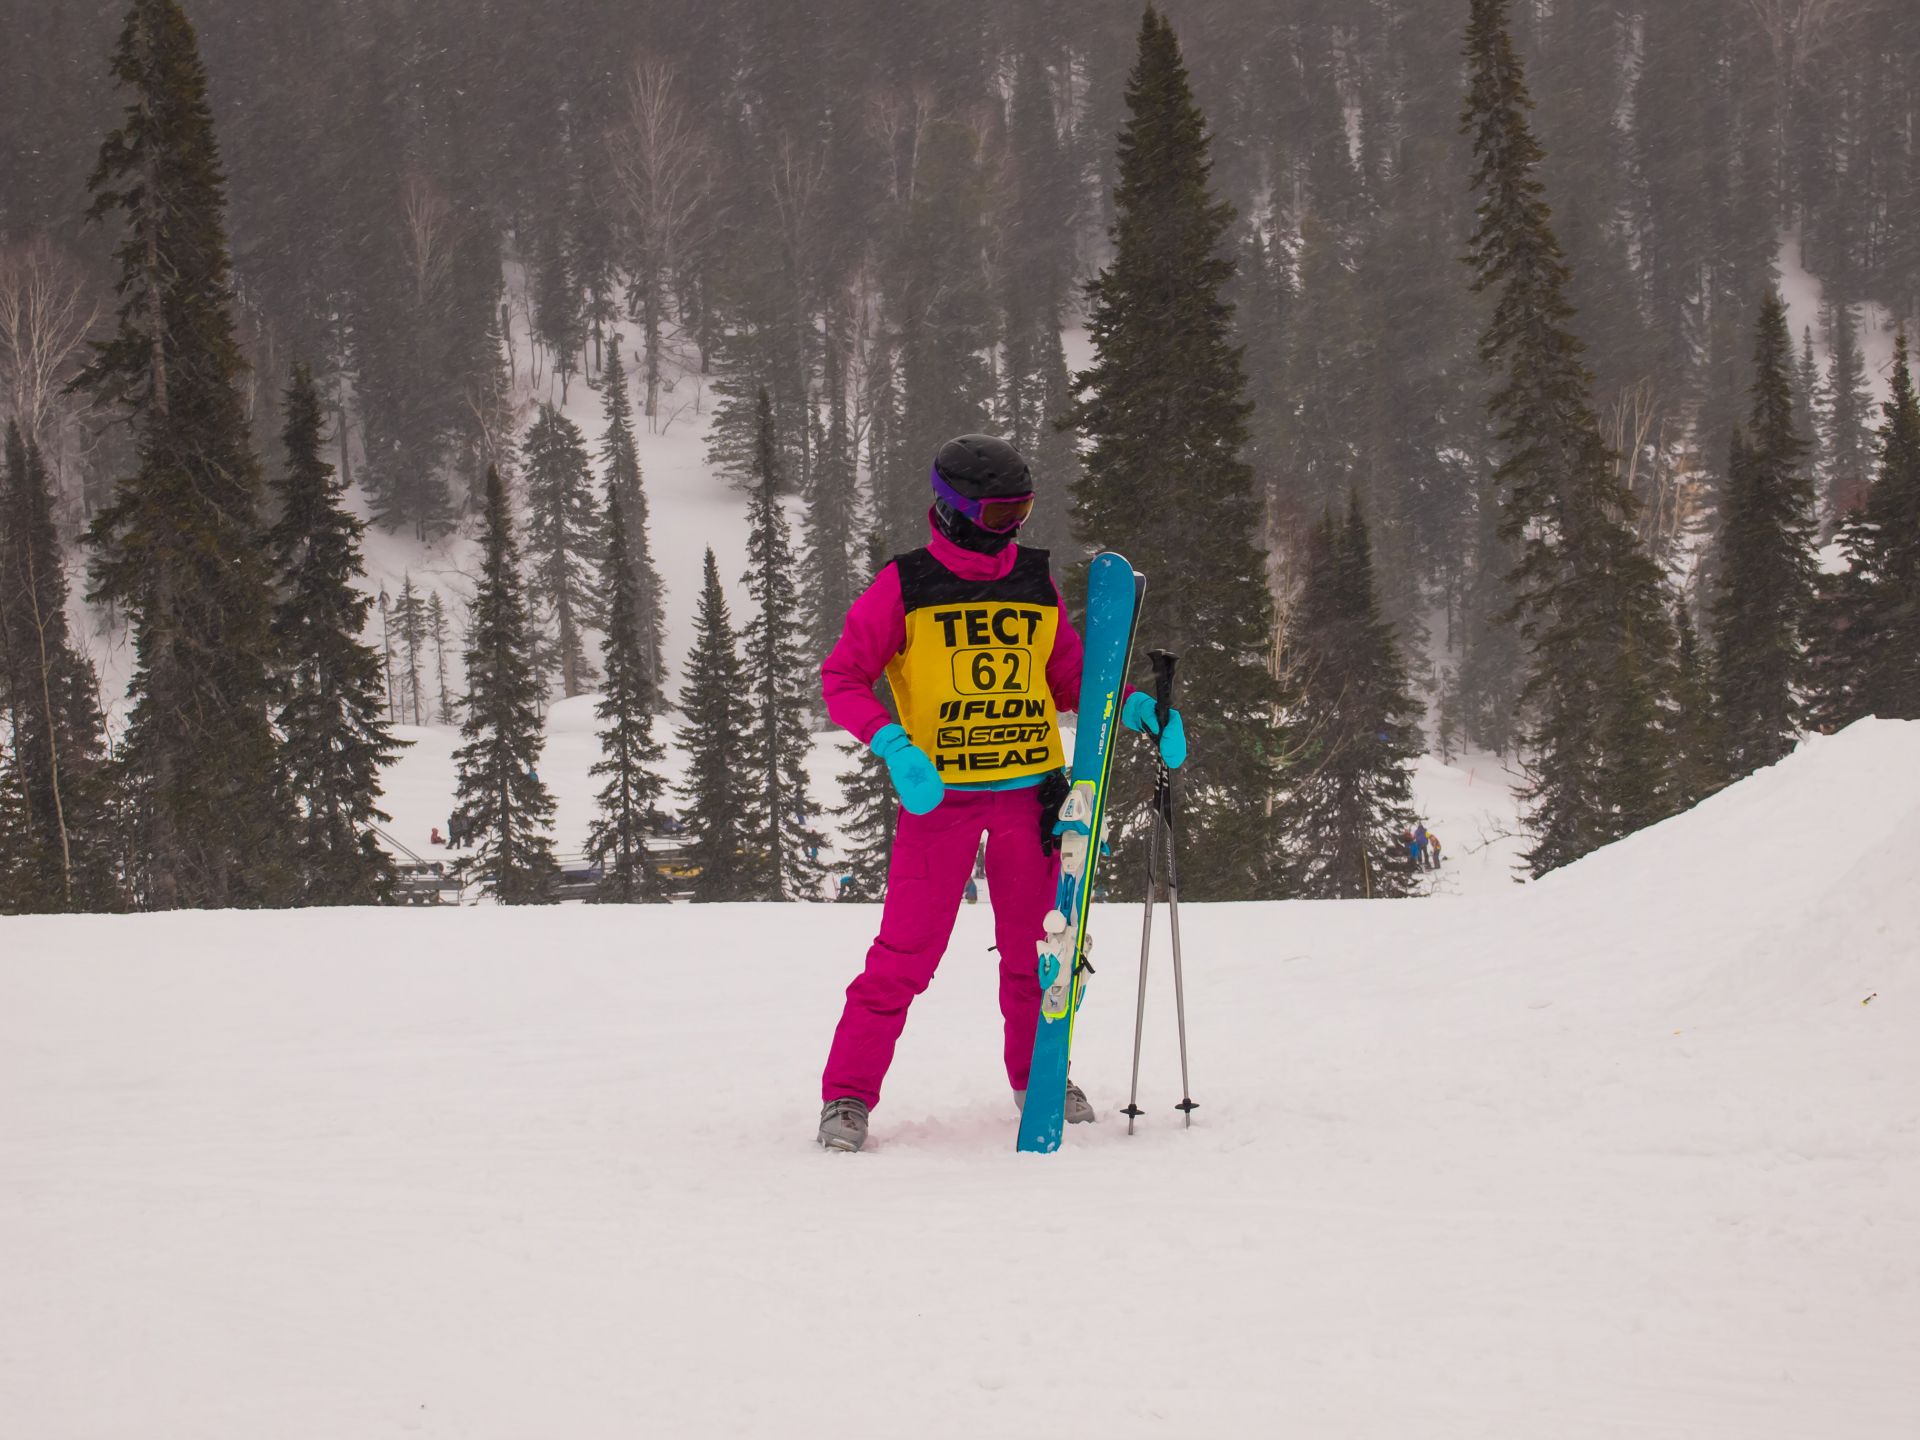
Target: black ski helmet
x=978 y=468
x=983 y=467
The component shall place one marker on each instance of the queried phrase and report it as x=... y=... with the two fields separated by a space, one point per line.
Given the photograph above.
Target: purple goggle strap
x=972 y=508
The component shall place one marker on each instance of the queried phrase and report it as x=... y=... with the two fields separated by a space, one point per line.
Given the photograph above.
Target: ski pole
x=1161 y=831
x=1163 y=664
x=1133 y=1110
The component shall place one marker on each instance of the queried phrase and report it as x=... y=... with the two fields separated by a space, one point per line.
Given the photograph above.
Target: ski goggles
x=996 y=516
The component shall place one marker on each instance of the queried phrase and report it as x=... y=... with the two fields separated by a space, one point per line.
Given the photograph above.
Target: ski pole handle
x=1163 y=663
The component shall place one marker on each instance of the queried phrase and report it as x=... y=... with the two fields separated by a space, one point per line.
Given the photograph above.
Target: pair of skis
x=1113 y=610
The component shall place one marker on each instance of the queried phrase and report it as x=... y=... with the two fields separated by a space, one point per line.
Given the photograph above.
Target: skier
x=971 y=632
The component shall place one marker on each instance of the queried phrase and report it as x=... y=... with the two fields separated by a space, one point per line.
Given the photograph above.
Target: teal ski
x=1113 y=606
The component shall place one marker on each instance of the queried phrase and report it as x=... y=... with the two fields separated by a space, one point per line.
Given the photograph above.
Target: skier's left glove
x=1141 y=714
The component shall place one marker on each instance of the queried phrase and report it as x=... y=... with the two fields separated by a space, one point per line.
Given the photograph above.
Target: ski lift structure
x=418 y=880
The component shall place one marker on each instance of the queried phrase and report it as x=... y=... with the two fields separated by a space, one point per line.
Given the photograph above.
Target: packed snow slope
x=1629 y=1152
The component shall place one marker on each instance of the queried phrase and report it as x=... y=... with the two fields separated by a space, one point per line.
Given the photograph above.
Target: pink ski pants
x=932 y=858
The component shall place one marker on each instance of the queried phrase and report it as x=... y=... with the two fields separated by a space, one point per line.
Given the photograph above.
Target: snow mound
x=1807 y=865
x=1803 y=823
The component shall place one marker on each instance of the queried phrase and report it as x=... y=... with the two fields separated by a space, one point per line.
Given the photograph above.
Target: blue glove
x=915 y=780
x=1142 y=715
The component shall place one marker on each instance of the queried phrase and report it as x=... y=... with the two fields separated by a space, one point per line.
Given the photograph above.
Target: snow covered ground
x=1632 y=1151
x=1471 y=806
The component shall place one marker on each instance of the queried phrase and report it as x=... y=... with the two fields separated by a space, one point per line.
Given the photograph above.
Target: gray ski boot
x=1079 y=1109
x=843 y=1124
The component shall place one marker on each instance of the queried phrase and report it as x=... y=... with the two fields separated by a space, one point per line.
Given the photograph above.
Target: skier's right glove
x=915 y=780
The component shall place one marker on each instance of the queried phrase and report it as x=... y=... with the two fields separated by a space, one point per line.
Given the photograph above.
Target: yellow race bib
x=971 y=680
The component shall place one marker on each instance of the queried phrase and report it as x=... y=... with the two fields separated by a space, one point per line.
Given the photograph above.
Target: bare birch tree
x=426 y=235
x=45 y=317
x=1635 y=423
x=899 y=120
x=662 y=169
x=1796 y=30
x=859 y=301
x=797 y=183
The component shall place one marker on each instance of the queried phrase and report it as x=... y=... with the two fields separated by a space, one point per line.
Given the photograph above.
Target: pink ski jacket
x=876 y=631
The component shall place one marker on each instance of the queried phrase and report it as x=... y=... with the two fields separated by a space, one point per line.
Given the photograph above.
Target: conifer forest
x=1527 y=379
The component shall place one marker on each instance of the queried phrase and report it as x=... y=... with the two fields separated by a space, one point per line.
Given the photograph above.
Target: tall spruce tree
x=385 y=602
x=620 y=459
x=1587 y=597
x=779 y=814
x=1699 y=746
x=1840 y=642
x=1165 y=420
x=1351 y=731
x=1263 y=312
x=869 y=812
x=630 y=756
x=886 y=452
x=557 y=318
x=1054 y=449
x=1848 y=412
x=1884 y=541
x=1322 y=377
x=715 y=705
x=1485 y=691
x=502 y=803
x=410 y=621
x=1809 y=407
x=1040 y=197
x=19 y=878
x=1766 y=566
x=61 y=846
x=943 y=319
x=828 y=560
x=178 y=548
x=334 y=739
x=437 y=628
x=766 y=294
x=565 y=545
x=406 y=326
x=1742 y=266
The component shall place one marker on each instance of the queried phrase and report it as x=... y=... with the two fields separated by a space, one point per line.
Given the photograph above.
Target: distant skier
x=971 y=632
x=1433 y=851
